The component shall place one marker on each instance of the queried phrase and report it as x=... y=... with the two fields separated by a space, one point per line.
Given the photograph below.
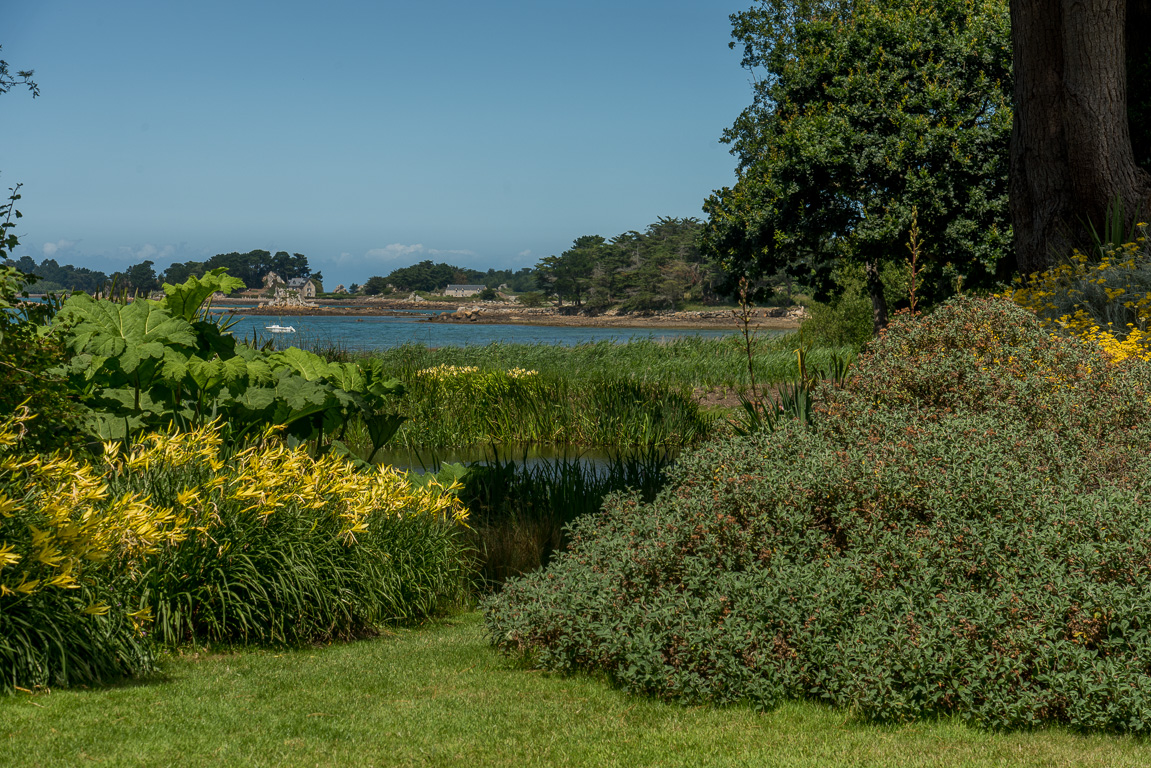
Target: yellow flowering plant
x=179 y=537
x=1102 y=297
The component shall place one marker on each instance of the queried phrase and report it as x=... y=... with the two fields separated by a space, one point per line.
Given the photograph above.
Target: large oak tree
x=866 y=115
x=1082 y=132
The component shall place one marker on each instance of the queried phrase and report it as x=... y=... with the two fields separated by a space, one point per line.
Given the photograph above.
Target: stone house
x=297 y=287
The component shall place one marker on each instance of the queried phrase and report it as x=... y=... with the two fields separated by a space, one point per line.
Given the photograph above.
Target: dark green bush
x=962 y=533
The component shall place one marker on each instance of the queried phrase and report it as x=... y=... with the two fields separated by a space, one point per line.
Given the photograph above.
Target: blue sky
x=366 y=135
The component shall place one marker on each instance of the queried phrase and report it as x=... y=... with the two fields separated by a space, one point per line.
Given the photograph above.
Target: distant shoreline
x=491 y=313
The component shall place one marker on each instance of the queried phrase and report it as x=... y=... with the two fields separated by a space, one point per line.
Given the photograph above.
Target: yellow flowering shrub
x=1103 y=299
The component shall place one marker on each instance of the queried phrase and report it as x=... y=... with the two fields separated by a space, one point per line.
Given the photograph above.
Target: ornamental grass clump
x=176 y=538
x=962 y=532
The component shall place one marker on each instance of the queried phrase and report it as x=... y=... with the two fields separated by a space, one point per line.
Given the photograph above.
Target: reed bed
x=640 y=393
x=459 y=406
x=519 y=512
x=681 y=364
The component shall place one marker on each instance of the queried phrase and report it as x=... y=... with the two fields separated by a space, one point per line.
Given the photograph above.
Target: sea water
x=368 y=333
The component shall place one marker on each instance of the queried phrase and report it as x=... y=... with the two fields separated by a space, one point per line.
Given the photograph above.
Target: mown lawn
x=438 y=695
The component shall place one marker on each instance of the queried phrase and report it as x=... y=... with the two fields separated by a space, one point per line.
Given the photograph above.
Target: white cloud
x=525 y=254
x=397 y=252
x=51 y=249
x=148 y=252
x=394 y=251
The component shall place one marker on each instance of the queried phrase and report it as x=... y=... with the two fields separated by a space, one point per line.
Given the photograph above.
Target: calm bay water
x=368 y=333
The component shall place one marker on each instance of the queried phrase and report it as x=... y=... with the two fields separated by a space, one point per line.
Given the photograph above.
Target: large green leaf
x=128 y=332
x=347 y=376
x=185 y=300
x=214 y=372
x=308 y=364
x=212 y=341
x=257 y=398
x=121 y=400
x=299 y=395
x=175 y=366
x=112 y=426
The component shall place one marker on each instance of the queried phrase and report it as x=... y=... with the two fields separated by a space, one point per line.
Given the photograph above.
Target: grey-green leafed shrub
x=962 y=532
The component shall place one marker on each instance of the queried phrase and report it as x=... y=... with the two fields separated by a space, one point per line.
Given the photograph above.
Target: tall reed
x=519 y=511
x=451 y=406
x=681 y=364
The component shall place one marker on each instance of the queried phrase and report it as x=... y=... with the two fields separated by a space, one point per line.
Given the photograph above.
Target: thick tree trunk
x=1139 y=80
x=1071 y=150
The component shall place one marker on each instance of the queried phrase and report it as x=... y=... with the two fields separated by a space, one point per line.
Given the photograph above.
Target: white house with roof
x=463 y=290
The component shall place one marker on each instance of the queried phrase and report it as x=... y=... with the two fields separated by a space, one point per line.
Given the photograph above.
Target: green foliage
x=846 y=319
x=361 y=550
x=250 y=267
x=54 y=278
x=679 y=364
x=376 y=286
x=532 y=299
x=138 y=279
x=148 y=364
x=8 y=81
x=864 y=111
x=659 y=268
x=30 y=349
x=179 y=539
x=430 y=277
x=426 y=276
x=463 y=405
x=518 y=511
x=47 y=641
x=962 y=532
x=764 y=412
x=568 y=276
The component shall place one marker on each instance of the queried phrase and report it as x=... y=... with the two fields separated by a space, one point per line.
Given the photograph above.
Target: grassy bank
x=642 y=393
x=439 y=696
x=680 y=364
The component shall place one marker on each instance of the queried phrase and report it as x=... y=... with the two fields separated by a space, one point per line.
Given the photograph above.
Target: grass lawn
x=439 y=696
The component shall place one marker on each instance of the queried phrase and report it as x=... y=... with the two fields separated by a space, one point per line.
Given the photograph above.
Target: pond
x=528 y=456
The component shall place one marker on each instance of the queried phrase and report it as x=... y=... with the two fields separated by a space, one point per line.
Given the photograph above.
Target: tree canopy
x=863 y=112
x=654 y=269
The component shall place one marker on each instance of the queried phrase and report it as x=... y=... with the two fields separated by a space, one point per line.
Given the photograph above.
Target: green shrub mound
x=962 y=532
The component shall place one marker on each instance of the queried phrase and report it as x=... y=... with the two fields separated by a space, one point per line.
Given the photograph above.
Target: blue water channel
x=368 y=333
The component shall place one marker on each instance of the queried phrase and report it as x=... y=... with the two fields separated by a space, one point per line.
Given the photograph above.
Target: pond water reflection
x=522 y=455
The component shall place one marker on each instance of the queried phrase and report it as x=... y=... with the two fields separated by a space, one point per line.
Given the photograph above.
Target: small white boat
x=280 y=328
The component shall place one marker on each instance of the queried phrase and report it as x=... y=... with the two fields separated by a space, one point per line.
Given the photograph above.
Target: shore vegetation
x=958 y=532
